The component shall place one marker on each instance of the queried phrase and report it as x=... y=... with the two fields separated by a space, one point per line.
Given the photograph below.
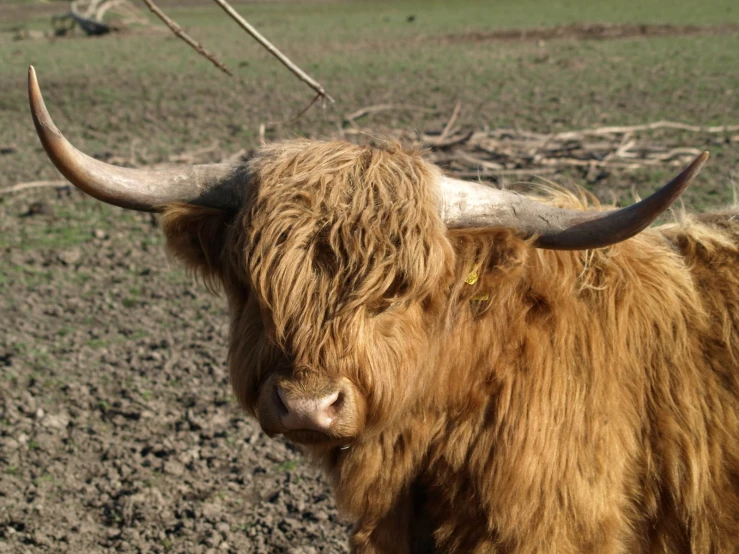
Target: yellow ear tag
x=473 y=276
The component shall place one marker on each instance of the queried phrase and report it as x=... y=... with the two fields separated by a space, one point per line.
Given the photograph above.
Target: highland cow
x=476 y=371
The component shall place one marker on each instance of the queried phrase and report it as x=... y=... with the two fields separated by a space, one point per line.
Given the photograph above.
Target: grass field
x=150 y=89
x=117 y=431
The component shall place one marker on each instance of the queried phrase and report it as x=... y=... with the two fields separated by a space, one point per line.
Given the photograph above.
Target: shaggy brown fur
x=509 y=399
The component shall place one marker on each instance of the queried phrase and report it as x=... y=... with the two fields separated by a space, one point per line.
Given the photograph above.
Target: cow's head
x=336 y=262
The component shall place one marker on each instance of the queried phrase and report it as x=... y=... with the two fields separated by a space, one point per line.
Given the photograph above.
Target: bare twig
x=494 y=152
x=457 y=139
x=449 y=123
x=177 y=30
x=636 y=164
x=503 y=173
x=648 y=127
x=301 y=113
x=383 y=107
x=33 y=185
x=307 y=79
x=485 y=164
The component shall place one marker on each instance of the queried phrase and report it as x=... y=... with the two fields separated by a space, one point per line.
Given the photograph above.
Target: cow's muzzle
x=308 y=413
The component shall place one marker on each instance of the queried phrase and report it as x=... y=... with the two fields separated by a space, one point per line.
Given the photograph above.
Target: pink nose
x=302 y=413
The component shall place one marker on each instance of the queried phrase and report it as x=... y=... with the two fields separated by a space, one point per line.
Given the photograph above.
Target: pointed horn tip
x=701 y=159
x=691 y=172
x=33 y=88
x=38 y=107
x=697 y=164
x=45 y=127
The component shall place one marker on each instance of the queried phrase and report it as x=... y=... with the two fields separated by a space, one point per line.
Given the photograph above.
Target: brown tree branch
x=450 y=123
x=177 y=30
x=33 y=185
x=272 y=49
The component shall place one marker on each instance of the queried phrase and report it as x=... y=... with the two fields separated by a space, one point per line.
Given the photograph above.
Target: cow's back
x=700 y=478
x=602 y=396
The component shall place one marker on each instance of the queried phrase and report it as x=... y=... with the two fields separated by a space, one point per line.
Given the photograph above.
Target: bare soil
x=588 y=31
x=118 y=431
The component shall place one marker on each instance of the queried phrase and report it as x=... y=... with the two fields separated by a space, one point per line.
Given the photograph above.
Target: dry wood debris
x=490 y=153
x=89 y=16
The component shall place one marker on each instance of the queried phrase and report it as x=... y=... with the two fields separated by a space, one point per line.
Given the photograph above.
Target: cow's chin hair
x=345 y=435
x=317 y=439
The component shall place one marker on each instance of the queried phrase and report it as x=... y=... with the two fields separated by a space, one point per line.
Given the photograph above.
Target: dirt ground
x=118 y=432
x=589 y=31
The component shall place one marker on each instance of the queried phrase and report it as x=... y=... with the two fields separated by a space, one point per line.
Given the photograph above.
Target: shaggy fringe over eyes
x=358 y=231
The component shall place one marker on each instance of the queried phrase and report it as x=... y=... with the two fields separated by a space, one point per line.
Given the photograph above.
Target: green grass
x=352 y=21
x=287 y=466
x=68 y=226
x=148 y=93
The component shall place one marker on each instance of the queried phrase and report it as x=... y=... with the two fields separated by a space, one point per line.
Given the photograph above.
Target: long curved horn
x=466 y=204
x=219 y=186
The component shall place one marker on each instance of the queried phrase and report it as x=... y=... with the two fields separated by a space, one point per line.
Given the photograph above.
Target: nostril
x=338 y=402
x=307 y=412
x=280 y=401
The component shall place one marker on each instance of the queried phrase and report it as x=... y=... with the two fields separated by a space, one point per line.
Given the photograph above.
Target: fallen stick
x=34 y=184
x=647 y=127
x=487 y=164
x=383 y=107
x=622 y=164
x=436 y=143
x=503 y=173
x=448 y=126
x=299 y=115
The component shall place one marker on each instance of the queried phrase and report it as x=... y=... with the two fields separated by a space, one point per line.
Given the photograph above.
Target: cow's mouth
x=308 y=437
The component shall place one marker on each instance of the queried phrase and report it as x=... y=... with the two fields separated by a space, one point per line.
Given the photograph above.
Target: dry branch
x=300 y=114
x=88 y=15
x=177 y=30
x=649 y=127
x=34 y=185
x=352 y=117
x=492 y=153
x=502 y=173
x=450 y=123
x=436 y=142
x=272 y=49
